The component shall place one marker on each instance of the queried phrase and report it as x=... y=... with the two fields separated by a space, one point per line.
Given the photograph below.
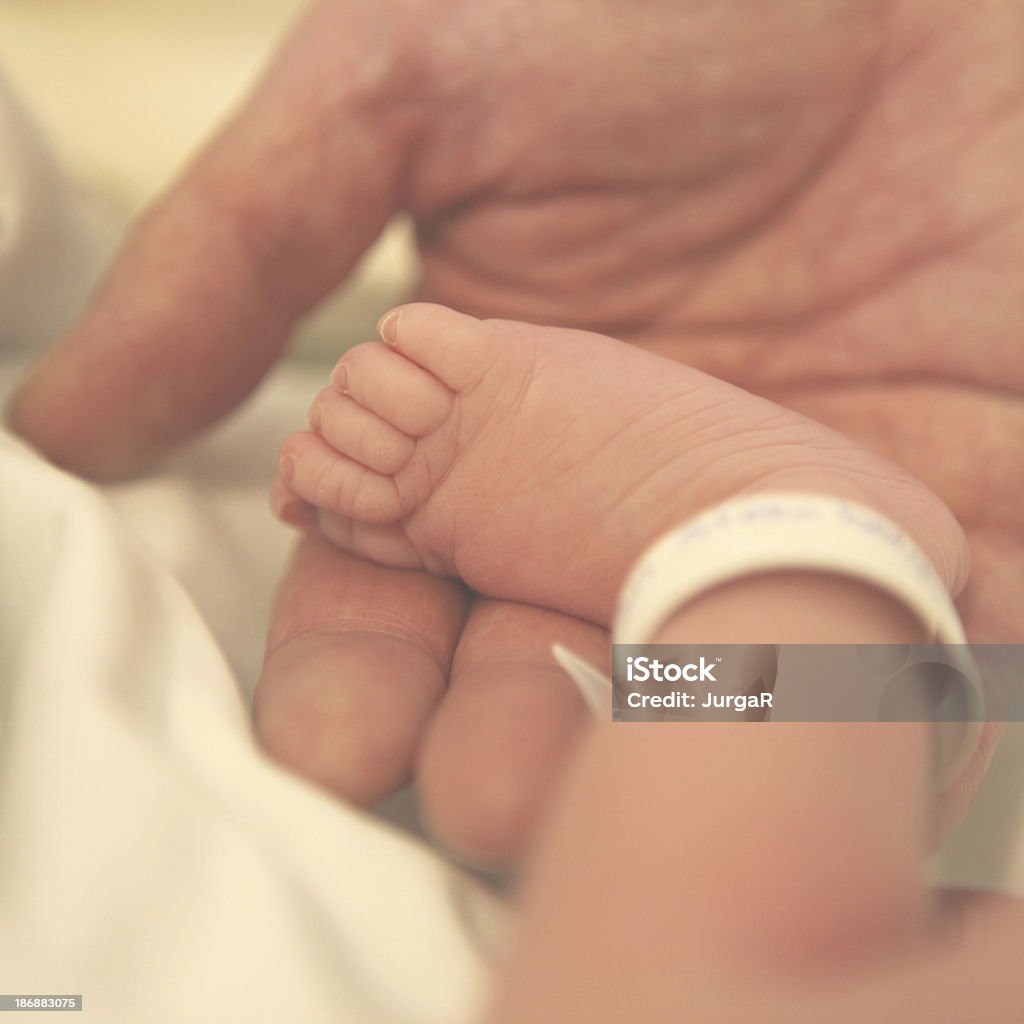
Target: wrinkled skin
x=820 y=201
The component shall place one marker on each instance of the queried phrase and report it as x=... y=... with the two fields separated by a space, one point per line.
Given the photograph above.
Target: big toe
x=455 y=348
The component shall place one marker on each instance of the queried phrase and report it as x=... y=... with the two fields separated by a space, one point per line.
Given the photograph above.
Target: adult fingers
x=505 y=729
x=357 y=660
x=271 y=216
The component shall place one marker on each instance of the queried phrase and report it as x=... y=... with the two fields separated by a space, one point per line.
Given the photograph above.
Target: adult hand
x=634 y=921
x=964 y=971
x=820 y=202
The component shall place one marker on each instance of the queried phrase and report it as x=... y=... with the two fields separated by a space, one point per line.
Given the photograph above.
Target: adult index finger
x=270 y=216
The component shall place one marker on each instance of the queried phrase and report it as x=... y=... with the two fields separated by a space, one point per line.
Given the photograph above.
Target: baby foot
x=536 y=464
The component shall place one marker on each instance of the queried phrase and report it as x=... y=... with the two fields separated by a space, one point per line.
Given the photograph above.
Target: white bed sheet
x=151 y=858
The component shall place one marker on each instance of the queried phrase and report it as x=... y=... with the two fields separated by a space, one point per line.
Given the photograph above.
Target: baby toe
x=383 y=543
x=456 y=348
x=359 y=433
x=321 y=475
x=290 y=508
x=381 y=380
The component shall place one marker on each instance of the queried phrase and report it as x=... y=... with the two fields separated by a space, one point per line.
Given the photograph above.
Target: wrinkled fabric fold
x=151 y=858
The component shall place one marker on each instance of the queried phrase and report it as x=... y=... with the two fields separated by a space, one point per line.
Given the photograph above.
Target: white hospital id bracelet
x=791 y=530
x=771 y=531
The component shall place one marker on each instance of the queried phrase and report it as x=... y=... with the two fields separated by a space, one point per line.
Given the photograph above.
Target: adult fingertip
x=37 y=418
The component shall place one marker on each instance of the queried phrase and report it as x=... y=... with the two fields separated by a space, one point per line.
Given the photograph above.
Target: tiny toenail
x=286 y=467
x=298 y=513
x=387 y=327
x=339 y=378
